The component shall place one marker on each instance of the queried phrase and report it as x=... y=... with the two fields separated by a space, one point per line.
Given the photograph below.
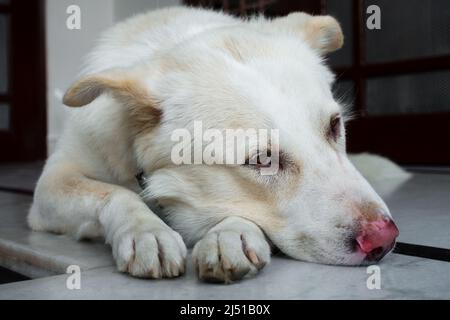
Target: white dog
x=166 y=69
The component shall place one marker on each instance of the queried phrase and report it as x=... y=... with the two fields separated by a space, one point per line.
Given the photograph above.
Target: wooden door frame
x=411 y=139
x=26 y=139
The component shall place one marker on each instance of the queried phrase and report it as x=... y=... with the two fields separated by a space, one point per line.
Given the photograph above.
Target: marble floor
x=421 y=207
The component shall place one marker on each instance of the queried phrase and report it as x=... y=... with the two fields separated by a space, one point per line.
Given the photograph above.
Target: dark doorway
x=22 y=80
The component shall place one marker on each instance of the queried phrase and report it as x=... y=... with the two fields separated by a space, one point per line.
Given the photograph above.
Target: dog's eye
x=261 y=160
x=335 y=127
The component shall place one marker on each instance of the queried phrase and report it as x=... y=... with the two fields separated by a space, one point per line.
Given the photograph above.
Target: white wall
x=65 y=51
x=66 y=48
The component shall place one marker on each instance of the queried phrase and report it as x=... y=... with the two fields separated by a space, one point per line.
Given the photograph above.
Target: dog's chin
x=351 y=260
x=340 y=253
x=355 y=258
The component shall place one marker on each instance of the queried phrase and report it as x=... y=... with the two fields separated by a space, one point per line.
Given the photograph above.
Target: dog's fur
x=163 y=70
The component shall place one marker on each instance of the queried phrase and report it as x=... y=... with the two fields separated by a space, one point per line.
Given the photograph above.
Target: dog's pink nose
x=377 y=238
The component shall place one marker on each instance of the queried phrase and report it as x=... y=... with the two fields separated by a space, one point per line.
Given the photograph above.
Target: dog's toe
x=227 y=256
x=155 y=254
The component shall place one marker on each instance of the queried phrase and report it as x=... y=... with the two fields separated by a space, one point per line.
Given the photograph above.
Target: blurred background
x=396 y=78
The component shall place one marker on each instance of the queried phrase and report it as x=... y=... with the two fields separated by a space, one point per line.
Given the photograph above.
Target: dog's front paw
x=226 y=256
x=150 y=253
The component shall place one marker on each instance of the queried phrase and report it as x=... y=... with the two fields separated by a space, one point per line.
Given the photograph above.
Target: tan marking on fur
x=304 y=239
x=294 y=177
x=171 y=64
x=254 y=203
x=367 y=211
x=253 y=190
x=324 y=33
x=83 y=92
x=83 y=187
x=144 y=119
x=370 y=211
x=232 y=46
x=66 y=179
x=126 y=88
x=258 y=204
x=144 y=112
x=321 y=32
x=123 y=84
x=265 y=219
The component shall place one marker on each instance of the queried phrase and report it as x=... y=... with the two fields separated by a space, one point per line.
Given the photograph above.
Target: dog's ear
x=322 y=33
x=124 y=84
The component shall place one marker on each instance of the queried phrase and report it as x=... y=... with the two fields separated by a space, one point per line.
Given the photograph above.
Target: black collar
x=140 y=177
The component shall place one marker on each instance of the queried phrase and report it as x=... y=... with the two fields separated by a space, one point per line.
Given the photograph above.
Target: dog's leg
x=143 y=245
x=230 y=250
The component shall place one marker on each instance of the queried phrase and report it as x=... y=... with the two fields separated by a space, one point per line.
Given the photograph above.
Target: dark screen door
x=22 y=80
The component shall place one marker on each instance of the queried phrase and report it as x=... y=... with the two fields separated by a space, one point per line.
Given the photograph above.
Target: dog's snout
x=376 y=238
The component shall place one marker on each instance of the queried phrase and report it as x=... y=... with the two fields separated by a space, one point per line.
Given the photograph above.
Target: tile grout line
x=17 y=191
x=427 y=252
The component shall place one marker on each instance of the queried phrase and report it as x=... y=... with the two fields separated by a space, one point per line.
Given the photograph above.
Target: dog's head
x=298 y=186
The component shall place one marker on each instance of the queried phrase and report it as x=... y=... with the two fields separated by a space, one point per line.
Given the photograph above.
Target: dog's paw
x=227 y=256
x=151 y=253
